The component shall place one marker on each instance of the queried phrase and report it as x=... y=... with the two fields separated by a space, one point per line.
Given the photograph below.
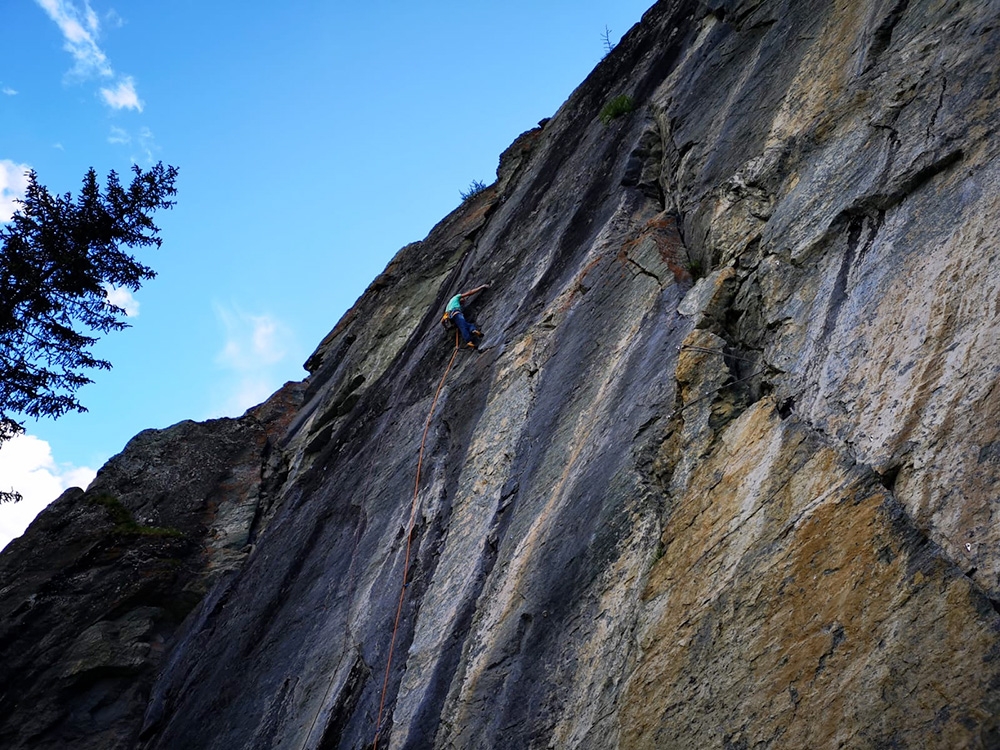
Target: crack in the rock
x=937 y=109
x=643 y=271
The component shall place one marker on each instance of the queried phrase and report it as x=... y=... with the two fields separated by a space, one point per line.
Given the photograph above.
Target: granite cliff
x=724 y=473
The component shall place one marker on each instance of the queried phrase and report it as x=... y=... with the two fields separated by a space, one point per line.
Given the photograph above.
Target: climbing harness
x=409 y=537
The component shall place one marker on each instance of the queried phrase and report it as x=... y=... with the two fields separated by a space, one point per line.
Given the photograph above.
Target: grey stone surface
x=723 y=474
x=93 y=593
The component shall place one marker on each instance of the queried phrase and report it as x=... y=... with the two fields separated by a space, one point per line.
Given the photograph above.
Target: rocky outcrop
x=723 y=472
x=94 y=593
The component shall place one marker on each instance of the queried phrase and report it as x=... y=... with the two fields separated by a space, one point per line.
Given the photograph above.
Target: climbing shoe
x=470 y=345
x=477 y=332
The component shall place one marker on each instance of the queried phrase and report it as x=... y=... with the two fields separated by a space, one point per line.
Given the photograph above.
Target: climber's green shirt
x=454 y=304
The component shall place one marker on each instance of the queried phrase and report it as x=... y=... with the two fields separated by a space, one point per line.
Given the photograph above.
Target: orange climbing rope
x=409 y=536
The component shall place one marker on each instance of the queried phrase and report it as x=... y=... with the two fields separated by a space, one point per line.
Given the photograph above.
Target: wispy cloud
x=80 y=30
x=252 y=341
x=8 y=91
x=147 y=145
x=13 y=183
x=113 y=19
x=119 y=136
x=121 y=297
x=143 y=143
x=27 y=465
x=122 y=96
x=254 y=346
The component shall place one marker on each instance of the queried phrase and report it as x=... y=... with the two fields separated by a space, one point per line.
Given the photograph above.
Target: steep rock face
x=723 y=474
x=796 y=605
x=94 y=592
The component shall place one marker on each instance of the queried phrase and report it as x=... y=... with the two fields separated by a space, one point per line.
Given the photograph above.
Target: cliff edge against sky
x=723 y=474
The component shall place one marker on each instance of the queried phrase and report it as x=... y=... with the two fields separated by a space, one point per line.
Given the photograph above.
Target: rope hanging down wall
x=409 y=537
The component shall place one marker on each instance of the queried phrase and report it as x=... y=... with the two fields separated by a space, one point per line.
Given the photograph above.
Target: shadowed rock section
x=723 y=474
x=94 y=593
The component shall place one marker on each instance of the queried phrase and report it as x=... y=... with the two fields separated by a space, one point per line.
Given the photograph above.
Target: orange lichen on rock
x=662 y=230
x=769 y=604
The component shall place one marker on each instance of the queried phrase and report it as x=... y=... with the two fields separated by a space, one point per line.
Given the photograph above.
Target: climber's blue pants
x=463 y=326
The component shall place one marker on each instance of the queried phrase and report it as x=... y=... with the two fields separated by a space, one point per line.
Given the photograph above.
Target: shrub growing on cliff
x=696 y=269
x=620 y=105
x=606 y=38
x=59 y=256
x=475 y=188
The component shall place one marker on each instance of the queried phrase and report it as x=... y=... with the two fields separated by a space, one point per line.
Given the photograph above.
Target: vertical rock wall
x=723 y=474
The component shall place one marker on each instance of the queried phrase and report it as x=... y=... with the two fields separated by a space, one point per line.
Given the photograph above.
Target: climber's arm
x=474 y=292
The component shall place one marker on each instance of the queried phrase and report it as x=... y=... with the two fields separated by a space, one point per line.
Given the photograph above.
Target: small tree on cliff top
x=58 y=258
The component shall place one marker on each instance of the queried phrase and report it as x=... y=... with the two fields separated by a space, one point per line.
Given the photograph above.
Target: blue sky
x=314 y=139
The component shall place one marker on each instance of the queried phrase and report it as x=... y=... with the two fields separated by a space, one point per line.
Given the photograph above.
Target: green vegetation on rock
x=125 y=523
x=617 y=107
x=474 y=189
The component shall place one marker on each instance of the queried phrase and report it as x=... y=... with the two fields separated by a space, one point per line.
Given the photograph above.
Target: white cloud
x=91 y=18
x=26 y=465
x=79 y=30
x=123 y=96
x=119 y=136
x=13 y=183
x=252 y=341
x=9 y=91
x=147 y=144
x=122 y=297
x=114 y=19
x=253 y=347
x=142 y=144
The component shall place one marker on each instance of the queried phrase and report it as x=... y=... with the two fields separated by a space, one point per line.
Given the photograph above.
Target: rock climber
x=454 y=314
